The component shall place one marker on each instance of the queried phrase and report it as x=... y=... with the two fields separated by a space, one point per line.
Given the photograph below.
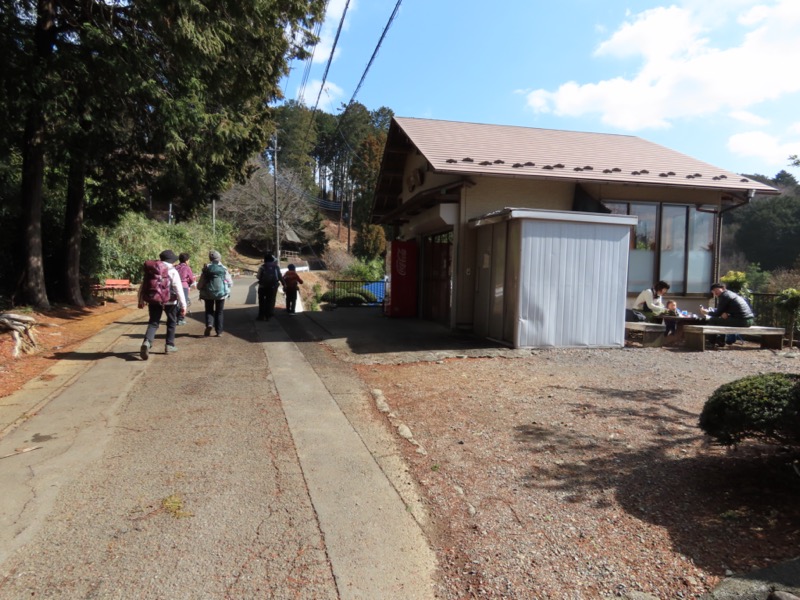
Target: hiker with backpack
x=187 y=281
x=161 y=291
x=269 y=278
x=215 y=287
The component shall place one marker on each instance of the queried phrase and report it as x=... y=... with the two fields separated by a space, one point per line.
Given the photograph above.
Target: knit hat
x=269 y=258
x=291 y=267
x=214 y=256
x=168 y=256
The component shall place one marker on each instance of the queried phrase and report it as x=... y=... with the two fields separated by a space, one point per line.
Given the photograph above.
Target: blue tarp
x=378 y=288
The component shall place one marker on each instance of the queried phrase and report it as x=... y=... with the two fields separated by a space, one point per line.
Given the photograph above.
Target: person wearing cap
x=731 y=310
x=215 y=305
x=174 y=308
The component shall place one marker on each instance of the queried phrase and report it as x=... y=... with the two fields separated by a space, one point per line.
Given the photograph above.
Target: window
x=672 y=242
x=672 y=256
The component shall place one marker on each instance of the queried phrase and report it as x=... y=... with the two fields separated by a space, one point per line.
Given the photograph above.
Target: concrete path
x=226 y=470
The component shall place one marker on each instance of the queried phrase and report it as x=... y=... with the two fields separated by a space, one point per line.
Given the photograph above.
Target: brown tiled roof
x=510 y=151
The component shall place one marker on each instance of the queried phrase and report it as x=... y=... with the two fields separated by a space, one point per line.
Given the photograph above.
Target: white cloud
x=682 y=73
x=746 y=116
x=767 y=148
x=327 y=100
x=327 y=34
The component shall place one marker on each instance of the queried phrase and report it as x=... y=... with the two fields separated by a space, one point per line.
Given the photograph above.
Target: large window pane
x=641 y=270
x=701 y=251
x=673 y=247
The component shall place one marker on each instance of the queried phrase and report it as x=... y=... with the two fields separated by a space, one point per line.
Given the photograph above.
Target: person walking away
x=731 y=311
x=187 y=281
x=215 y=287
x=162 y=293
x=650 y=302
x=269 y=278
x=291 y=285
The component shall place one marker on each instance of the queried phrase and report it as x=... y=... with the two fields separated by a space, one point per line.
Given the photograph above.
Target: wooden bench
x=113 y=286
x=652 y=333
x=695 y=335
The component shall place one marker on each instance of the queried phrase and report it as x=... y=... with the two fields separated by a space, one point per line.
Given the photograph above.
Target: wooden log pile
x=21 y=328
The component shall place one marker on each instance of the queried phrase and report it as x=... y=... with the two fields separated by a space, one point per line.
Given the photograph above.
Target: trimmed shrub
x=350 y=300
x=367 y=295
x=330 y=296
x=763 y=407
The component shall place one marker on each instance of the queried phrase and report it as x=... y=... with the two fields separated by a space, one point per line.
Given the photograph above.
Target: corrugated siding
x=572 y=285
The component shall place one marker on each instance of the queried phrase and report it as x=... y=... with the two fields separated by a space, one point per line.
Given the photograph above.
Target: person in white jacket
x=651 y=301
x=174 y=306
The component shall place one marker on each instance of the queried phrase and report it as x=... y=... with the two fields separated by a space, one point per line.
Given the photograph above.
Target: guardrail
x=347 y=292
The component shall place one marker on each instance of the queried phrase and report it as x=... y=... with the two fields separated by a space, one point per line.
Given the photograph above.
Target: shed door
x=437 y=277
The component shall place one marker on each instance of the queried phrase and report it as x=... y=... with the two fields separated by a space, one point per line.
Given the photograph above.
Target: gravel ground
x=582 y=473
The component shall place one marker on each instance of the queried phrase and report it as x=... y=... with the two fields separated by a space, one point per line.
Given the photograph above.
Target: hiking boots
x=144 y=351
x=170 y=349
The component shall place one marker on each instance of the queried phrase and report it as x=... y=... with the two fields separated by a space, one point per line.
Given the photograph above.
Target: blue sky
x=716 y=79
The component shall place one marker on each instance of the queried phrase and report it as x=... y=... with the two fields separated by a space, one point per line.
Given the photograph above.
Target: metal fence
x=769 y=315
x=345 y=293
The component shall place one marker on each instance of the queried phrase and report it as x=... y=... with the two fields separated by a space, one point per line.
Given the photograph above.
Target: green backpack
x=215 y=287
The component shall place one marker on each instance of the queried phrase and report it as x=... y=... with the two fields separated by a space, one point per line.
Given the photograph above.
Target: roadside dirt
x=58 y=330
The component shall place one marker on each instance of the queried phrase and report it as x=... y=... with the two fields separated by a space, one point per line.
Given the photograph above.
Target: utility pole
x=275 y=195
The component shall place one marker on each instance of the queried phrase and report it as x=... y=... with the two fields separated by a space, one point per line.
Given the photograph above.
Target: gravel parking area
x=582 y=473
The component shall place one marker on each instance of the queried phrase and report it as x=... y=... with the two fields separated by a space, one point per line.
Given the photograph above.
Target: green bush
x=368 y=271
x=367 y=295
x=764 y=407
x=118 y=252
x=350 y=300
x=342 y=295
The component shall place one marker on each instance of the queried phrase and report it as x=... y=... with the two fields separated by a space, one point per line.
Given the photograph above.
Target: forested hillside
x=764 y=236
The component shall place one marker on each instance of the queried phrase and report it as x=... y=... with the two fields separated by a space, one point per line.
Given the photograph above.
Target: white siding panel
x=572 y=284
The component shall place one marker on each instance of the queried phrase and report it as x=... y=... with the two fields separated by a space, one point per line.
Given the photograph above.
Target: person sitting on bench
x=650 y=302
x=731 y=310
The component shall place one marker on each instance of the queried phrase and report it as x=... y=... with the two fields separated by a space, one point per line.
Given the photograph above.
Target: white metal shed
x=551 y=278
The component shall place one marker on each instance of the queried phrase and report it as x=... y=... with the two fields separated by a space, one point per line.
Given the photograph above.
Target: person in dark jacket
x=731 y=310
x=269 y=278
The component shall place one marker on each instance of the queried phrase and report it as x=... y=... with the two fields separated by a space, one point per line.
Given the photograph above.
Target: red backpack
x=156 y=286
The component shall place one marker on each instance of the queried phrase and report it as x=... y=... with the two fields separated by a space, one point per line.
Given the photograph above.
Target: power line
x=375 y=52
x=330 y=58
x=361 y=81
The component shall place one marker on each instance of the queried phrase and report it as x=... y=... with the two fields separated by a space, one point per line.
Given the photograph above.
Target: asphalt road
x=244 y=466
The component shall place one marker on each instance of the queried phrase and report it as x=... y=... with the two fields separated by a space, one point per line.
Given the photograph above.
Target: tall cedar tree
x=190 y=83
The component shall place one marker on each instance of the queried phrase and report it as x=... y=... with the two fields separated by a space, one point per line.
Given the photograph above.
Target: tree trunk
x=73 y=226
x=33 y=289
